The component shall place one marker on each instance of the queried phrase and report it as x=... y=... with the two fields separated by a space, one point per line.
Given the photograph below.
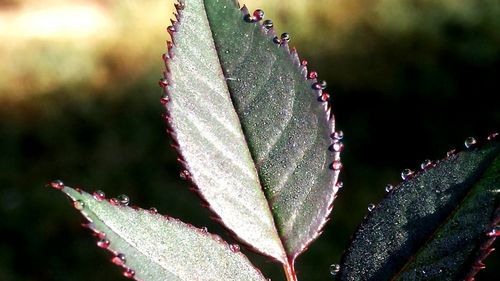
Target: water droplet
x=313 y=75
x=451 y=153
x=103 y=243
x=406 y=174
x=470 y=142
x=303 y=63
x=389 y=188
x=285 y=37
x=334 y=269
x=338 y=146
x=216 y=237
x=492 y=136
x=268 y=24
x=319 y=85
x=185 y=175
x=57 y=184
x=114 y=201
x=234 y=248
x=163 y=82
x=494 y=232
x=371 y=207
x=426 y=164
x=338 y=135
x=336 y=165
x=276 y=40
x=129 y=273
x=153 y=210
x=119 y=259
x=164 y=99
x=204 y=229
x=99 y=195
x=340 y=184
x=171 y=30
x=258 y=15
x=78 y=204
x=165 y=57
x=123 y=199
x=324 y=97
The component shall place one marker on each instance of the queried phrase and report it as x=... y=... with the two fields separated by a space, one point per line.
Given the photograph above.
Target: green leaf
x=433 y=226
x=155 y=247
x=252 y=132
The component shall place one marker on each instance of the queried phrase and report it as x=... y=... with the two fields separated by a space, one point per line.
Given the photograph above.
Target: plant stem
x=290 y=270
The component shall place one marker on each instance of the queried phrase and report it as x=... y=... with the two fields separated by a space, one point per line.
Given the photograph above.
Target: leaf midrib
x=217 y=50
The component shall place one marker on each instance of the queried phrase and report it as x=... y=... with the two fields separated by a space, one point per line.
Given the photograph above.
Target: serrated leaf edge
x=302 y=68
x=101 y=234
x=485 y=248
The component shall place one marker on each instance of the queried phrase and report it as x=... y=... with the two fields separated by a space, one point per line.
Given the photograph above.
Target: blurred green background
x=410 y=79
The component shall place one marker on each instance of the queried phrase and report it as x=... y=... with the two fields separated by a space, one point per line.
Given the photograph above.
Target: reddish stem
x=289 y=268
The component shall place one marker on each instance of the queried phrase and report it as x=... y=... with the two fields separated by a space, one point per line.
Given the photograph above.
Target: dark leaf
x=434 y=225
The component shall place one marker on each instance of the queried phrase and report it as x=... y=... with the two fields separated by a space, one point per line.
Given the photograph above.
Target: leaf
x=433 y=225
x=155 y=247
x=252 y=130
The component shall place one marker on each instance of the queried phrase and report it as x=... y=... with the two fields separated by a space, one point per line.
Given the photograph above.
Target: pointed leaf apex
x=150 y=247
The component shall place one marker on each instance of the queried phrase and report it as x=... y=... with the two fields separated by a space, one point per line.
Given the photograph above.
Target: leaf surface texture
x=162 y=248
x=252 y=132
x=433 y=225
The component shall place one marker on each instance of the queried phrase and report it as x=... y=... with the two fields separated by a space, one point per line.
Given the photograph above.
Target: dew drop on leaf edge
x=338 y=135
x=313 y=75
x=340 y=184
x=389 y=188
x=164 y=99
x=119 y=259
x=99 y=195
x=470 y=142
x=129 y=273
x=336 y=165
x=334 y=269
x=185 y=175
x=406 y=174
x=426 y=164
x=268 y=24
x=57 y=184
x=103 y=243
x=338 y=146
x=319 y=85
x=258 y=15
x=285 y=37
x=235 y=248
x=371 y=207
x=79 y=205
x=492 y=136
x=123 y=199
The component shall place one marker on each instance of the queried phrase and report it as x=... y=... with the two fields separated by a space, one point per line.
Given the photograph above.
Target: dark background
x=410 y=80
